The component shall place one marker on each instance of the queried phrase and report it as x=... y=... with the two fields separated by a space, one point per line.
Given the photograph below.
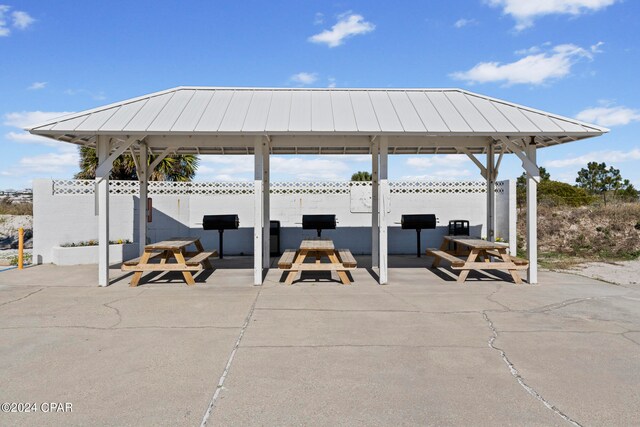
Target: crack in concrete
x=21 y=298
x=490 y=298
x=107 y=305
x=364 y=346
x=402 y=300
x=336 y=310
x=227 y=367
x=544 y=331
x=519 y=378
x=566 y=303
x=330 y=310
x=111 y=328
x=624 y=335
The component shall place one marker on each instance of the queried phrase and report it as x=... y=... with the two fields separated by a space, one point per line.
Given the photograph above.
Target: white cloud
x=220 y=165
x=318 y=19
x=332 y=82
x=304 y=78
x=4 y=26
x=37 y=86
x=358 y=158
x=19 y=19
x=530 y=50
x=596 y=156
x=609 y=116
x=22 y=20
x=305 y=168
x=525 y=12
x=463 y=22
x=23 y=119
x=426 y=162
x=49 y=163
x=535 y=69
x=98 y=96
x=348 y=25
x=443 y=175
x=310 y=169
x=27 y=138
x=442 y=167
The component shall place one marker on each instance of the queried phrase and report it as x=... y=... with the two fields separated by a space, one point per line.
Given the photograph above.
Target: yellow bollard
x=20 y=248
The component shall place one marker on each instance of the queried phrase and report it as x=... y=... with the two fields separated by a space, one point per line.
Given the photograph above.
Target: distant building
x=18 y=196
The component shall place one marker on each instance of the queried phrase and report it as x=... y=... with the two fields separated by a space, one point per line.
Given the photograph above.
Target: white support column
x=258 y=213
x=383 y=203
x=103 y=147
x=266 y=219
x=143 y=177
x=375 y=227
x=491 y=194
x=532 y=217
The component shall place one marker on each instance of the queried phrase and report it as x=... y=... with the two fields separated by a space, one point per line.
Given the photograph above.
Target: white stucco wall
x=61 y=218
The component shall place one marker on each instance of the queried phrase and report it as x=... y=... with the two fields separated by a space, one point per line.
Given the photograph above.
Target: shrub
x=94 y=243
x=555 y=193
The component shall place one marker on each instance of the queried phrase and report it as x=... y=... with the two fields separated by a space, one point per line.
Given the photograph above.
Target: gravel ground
x=9 y=224
x=626 y=273
x=7 y=254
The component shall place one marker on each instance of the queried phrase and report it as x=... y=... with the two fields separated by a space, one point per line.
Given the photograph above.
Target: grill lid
x=220 y=222
x=319 y=222
x=419 y=221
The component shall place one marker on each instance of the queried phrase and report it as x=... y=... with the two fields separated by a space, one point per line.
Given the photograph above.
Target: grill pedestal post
x=220 y=240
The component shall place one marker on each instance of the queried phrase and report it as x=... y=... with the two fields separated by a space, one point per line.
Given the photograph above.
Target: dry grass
x=7 y=207
x=567 y=236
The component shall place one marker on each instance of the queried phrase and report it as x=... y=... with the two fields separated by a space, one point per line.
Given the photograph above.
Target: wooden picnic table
x=340 y=260
x=480 y=255
x=185 y=262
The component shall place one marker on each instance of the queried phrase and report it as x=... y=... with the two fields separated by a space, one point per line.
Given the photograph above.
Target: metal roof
x=300 y=120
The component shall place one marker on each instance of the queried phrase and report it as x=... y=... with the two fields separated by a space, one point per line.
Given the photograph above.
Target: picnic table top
x=317 y=244
x=173 y=243
x=476 y=243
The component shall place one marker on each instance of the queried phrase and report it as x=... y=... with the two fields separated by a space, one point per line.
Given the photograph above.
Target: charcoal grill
x=419 y=222
x=220 y=223
x=319 y=223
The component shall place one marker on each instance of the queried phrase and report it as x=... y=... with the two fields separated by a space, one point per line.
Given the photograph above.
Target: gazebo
x=265 y=121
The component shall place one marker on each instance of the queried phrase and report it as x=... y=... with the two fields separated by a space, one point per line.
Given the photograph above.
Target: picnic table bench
x=482 y=255
x=185 y=262
x=340 y=260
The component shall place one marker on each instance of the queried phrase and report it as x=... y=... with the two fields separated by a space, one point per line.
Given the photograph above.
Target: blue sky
x=578 y=58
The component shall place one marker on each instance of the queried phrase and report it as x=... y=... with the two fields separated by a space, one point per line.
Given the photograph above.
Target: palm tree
x=180 y=167
x=361 y=176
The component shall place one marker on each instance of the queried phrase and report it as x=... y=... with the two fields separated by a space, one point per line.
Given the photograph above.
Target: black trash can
x=458 y=227
x=274 y=238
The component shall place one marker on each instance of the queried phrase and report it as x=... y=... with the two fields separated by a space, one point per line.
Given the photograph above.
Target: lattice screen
x=84 y=187
x=73 y=186
x=403 y=187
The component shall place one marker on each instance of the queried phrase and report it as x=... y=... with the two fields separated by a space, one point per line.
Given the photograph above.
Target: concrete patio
x=423 y=350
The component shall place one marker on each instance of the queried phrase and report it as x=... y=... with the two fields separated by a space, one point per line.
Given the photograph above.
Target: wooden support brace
x=158 y=159
x=105 y=166
x=483 y=169
x=530 y=167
